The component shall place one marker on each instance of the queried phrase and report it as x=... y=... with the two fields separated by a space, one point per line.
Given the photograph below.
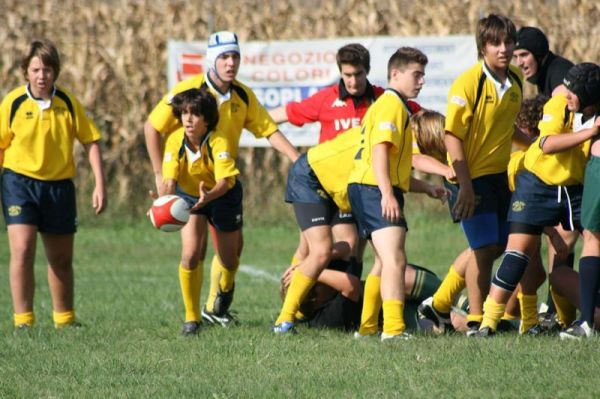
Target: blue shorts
x=366 y=206
x=49 y=205
x=224 y=213
x=536 y=203
x=303 y=185
x=488 y=225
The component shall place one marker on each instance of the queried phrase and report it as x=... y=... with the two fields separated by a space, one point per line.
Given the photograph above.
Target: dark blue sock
x=589 y=282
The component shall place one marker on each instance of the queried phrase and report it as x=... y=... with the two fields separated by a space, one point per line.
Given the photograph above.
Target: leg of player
x=59 y=252
x=22 y=242
x=191 y=271
x=229 y=252
x=564 y=311
x=369 y=318
x=477 y=279
x=437 y=308
x=347 y=232
x=520 y=249
x=388 y=243
x=533 y=278
x=320 y=245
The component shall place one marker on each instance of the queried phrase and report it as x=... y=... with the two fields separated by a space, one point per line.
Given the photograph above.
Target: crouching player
x=549 y=189
x=380 y=175
x=198 y=167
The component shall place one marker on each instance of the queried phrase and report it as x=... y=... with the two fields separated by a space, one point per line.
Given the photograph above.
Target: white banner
x=283 y=71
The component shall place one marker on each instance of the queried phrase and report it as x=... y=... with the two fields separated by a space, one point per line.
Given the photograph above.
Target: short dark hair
x=200 y=102
x=404 y=56
x=46 y=51
x=494 y=28
x=354 y=54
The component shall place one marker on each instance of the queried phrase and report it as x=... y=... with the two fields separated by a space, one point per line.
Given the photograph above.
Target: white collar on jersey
x=43 y=104
x=501 y=88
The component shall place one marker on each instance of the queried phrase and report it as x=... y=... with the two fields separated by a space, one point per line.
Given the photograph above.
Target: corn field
x=114 y=55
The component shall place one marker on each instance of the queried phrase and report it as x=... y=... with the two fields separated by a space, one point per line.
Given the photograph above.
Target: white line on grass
x=260 y=273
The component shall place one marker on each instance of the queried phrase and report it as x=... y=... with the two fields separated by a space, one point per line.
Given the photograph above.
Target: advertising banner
x=283 y=71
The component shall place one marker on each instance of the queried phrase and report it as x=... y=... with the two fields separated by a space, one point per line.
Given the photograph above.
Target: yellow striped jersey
x=387 y=120
x=483 y=119
x=211 y=163
x=38 y=137
x=562 y=168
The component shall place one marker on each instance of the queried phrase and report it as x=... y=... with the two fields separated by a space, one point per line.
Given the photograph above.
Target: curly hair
x=531 y=114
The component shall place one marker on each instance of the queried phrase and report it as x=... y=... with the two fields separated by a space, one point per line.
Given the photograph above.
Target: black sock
x=589 y=282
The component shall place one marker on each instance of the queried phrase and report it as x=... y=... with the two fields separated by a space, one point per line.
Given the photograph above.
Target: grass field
x=128 y=299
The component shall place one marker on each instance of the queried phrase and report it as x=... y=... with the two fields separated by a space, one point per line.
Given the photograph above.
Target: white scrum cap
x=221 y=43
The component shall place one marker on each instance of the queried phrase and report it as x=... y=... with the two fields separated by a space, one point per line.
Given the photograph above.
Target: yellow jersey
x=387 y=120
x=482 y=112
x=563 y=168
x=238 y=109
x=38 y=136
x=211 y=163
x=331 y=161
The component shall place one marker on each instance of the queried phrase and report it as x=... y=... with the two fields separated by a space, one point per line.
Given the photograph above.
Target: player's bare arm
x=154 y=146
x=465 y=203
x=99 y=199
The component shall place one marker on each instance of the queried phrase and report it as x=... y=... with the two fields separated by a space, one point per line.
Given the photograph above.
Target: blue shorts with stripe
x=312 y=205
x=366 y=207
x=224 y=213
x=49 y=205
x=488 y=225
x=536 y=203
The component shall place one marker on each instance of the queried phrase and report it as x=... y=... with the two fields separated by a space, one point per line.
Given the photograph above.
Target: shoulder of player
x=14 y=94
x=191 y=83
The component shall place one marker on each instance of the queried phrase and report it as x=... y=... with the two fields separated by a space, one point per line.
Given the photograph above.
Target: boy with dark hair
x=482 y=106
x=337 y=108
x=198 y=167
x=381 y=173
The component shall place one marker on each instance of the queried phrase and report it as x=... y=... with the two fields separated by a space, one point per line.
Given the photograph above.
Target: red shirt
x=334 y=108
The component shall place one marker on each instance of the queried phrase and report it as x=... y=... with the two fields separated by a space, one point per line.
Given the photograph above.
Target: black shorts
x=49 y=205
x=225 y=213
x=537 y=204
x=366 y=207
x=339 y=313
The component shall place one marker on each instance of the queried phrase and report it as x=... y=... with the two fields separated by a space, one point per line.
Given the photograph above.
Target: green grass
x=127 y=296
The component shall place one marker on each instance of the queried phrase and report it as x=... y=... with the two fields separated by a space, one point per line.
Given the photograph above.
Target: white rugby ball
x=169 y=213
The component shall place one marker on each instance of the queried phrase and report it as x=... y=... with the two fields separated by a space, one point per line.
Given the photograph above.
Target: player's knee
x=511 y=270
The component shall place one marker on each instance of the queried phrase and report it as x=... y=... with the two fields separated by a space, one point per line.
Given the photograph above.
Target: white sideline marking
x=257 y=272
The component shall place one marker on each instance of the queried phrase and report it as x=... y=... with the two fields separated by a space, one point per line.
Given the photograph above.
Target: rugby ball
x=169 y=213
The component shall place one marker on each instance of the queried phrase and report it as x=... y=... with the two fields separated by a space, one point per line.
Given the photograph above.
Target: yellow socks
x=215 y=277
x=492 y=313
x=297 y=291
x=27 y=319
x=63 y=319
x=451 y=286
x=529 y=316
x=369 y=319
x=474 y=318
x=565 y=311
x=227 y=277
x=190 y=281
x=393 y=317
